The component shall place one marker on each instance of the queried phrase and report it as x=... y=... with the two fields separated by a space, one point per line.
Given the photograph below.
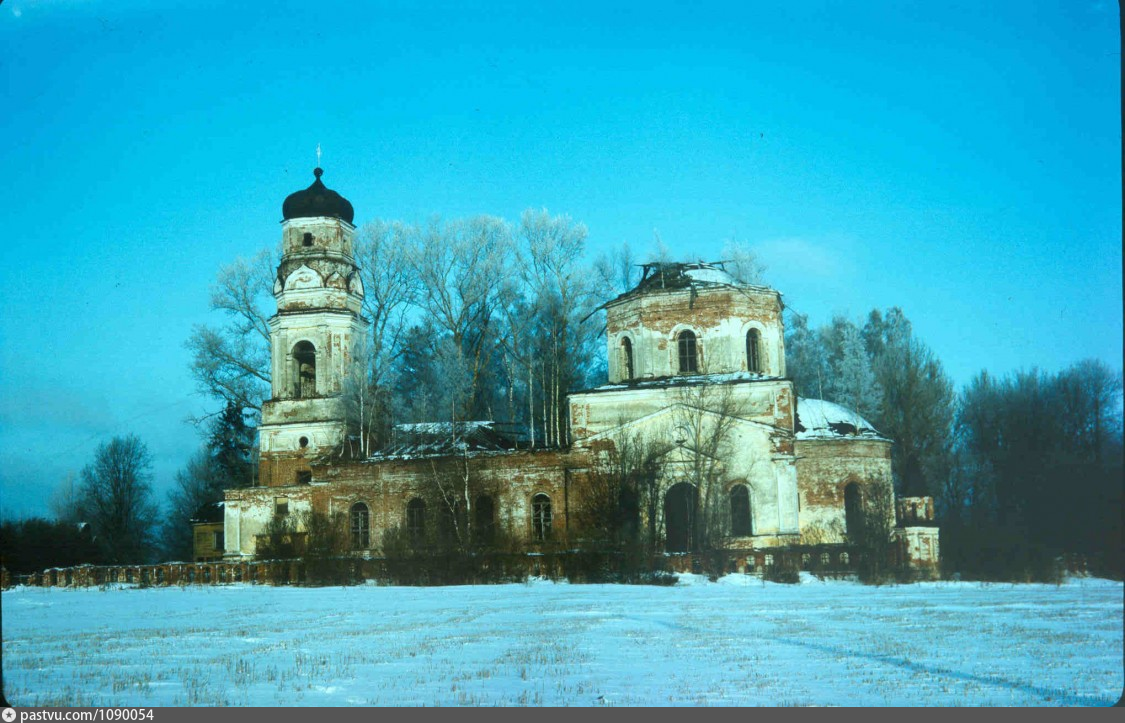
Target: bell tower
x=314 y=336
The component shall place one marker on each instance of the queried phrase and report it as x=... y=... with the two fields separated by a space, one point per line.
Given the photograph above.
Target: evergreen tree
x=917 y=402
x=851 y=380
x=231 y=447
x=415 y=376
x=805 y=357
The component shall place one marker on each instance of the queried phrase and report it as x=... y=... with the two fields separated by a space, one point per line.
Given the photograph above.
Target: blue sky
x=960 y=160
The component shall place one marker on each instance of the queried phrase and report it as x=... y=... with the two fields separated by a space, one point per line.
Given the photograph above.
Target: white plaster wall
x=232 y=525
x=749 y=453
x=317 y=297
x=329 y=235
x=333 y=334
x=719 y=317
x=922 y=545
x=596 y=412
x=249 y=511
x=286 y=437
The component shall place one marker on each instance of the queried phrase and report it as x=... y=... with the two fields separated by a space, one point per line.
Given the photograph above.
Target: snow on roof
x=818 y=419
x=672 y=275
x=708 y=274
x=441 y=439
x=682 y=381
x=445 y=428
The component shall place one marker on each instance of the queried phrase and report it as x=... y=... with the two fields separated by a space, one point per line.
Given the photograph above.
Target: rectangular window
x=281 y=505
x=304 y=477
x=219 y=540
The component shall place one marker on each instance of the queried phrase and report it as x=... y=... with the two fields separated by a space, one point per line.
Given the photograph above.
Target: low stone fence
x=168 y=573
x=834 y=560
x=828 y=560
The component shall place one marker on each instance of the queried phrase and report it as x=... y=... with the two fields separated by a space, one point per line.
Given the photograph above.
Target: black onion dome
x=317 y=200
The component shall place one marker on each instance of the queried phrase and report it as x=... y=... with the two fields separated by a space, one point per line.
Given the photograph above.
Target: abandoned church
x=698 y=417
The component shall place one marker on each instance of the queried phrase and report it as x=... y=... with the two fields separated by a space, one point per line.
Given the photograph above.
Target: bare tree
x=517 y=357
x=619 y=500
x=232 y=362
x=704 y=419
x=365 y=404
x=117 y=499
x=1024 y=437
x=742 y=263
x=462 y=268
x=874 y=537
x=658 y=250
x=382 y=252
x=564 y=293
x=455 y=485
x=66 y=501
x=199 y=483
x=616 y=271
x=452 y=480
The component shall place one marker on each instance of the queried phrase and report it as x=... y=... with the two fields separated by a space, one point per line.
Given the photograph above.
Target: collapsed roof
x=669 y=275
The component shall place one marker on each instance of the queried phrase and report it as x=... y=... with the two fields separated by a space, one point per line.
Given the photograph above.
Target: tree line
x=1024 y=468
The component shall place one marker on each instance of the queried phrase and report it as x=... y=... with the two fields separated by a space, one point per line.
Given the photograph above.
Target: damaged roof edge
x=672 y=277
x=681 y=380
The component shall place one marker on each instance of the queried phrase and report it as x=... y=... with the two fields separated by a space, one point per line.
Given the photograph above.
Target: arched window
x=681 y=505
x=626 y=358
x=753 y=351
x=628 y=514
x=853 y=510
x=740 y=525
x=484 y=519
x=541 y=517
x=361 y=527
x=451 y=523
x=689 y=358
x=416 y=520
x=304 y=363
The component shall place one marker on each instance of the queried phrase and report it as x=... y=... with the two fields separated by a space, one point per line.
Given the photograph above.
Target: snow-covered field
x=735 y=642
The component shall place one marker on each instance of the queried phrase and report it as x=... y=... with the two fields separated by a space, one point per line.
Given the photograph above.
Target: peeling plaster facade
x=690 y=350
x=313 y=338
